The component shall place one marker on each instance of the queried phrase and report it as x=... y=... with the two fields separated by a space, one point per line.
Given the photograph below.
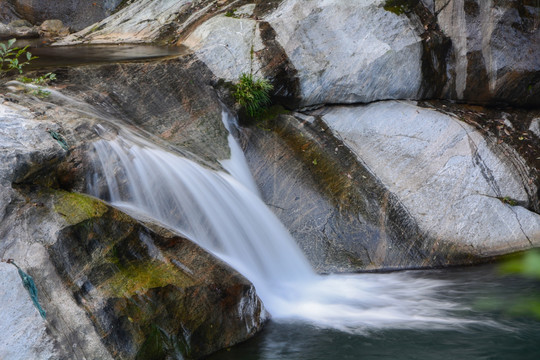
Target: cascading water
x=225 y=215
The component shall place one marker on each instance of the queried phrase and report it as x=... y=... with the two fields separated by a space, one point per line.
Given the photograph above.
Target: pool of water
x=500 y=326
x=55 y=56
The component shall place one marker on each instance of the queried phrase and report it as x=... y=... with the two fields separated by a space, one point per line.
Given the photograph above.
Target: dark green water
x=502 y=327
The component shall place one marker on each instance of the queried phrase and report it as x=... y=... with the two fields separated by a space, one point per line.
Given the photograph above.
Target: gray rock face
x=19 y=319
x=19 y=32
x=76 y=14
x=336 y=52
x=227 y=45
x=495 y=50
x=171 y=99
x=344 y=54
x=393 y=185
x=142 y=21
x=451 y=179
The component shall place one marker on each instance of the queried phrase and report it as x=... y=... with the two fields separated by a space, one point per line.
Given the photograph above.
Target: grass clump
x=252 y=94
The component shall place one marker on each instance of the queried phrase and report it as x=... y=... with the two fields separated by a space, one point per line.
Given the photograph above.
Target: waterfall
x=224 y=214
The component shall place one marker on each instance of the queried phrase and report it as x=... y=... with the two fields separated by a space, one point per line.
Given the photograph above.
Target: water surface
x=501 y=327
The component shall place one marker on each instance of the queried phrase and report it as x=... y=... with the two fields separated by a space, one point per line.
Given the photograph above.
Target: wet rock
x=171 y=99
x=341 y=215
x=394 y=185
x=151 y=292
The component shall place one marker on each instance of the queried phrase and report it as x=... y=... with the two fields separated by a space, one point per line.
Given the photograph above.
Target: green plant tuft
x=252 y=94
x=39 y=82
x=12 y=59
x=397 y=7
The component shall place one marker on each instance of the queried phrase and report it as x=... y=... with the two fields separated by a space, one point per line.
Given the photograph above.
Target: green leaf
x=29 y=55
x=11 y=42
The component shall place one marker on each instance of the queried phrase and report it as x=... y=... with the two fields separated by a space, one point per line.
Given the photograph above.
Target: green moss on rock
x=76 y=208
x=136 y=277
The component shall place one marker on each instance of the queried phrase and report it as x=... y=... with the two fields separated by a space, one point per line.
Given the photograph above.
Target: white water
x=226 y=216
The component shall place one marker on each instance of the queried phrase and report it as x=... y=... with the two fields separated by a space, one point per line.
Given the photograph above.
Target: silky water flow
x=222 y=212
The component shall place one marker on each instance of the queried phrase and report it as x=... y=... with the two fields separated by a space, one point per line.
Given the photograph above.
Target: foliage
x=41 y=81
x=12 y=59
x=252 y=94
x=527 y=265
x=398 y=7
x=231 y=13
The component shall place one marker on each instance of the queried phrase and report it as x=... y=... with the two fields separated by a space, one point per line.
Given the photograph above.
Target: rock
x=17 y=31
x=337 y=52
x=341 y=215
x=460 y=187
x=494 y=58
x=53 y=28
x=172 y=99
x=227 y=45
x=76 y=14
x=149 y=290
x=343 y=53
x=20 y=23
x=535 y=126
x=143 y=21
x=196 y=305
x=19 y=319
x=393 y=185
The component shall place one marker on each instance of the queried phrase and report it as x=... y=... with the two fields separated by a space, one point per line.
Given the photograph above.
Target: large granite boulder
x=396 y=185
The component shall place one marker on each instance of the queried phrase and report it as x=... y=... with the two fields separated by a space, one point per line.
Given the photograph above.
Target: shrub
x=251 y=94
x=10 y=57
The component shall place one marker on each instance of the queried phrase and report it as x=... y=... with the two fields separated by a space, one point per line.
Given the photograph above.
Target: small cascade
x=224 y=214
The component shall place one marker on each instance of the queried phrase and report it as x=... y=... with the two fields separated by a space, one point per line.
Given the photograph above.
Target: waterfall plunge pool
x=502 y=327
x=468 y=313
